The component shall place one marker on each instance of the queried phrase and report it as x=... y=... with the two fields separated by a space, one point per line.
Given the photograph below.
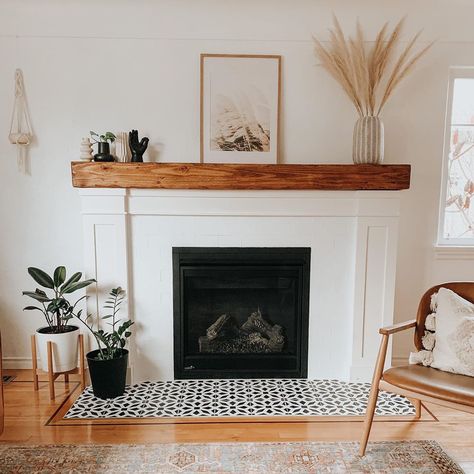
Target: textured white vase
x=368 y=141
x=122 y=149
x=65 y=350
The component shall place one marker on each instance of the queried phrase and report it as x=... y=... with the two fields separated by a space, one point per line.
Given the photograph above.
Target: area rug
x=246 y=397
x=423 y=457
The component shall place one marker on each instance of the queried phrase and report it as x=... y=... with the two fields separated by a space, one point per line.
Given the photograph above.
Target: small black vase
x=108 y=376
x=103 y=153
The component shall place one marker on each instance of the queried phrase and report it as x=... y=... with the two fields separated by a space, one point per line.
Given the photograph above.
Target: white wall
x=116 y=65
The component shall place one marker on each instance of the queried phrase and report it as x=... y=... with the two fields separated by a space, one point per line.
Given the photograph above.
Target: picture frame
x=240 y=101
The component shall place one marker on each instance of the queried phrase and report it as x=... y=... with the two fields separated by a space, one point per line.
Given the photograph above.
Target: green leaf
x=128 y=334
x=41 y=277
x=37 y=296
x=78 y=286
x=108 y=316
x=109 y=136
x=29 y=308
x=59 y=276
x=102 y=338
x=58 y=304
x=74 y=279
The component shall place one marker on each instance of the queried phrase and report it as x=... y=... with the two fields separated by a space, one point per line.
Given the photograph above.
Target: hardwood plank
x=337 y=177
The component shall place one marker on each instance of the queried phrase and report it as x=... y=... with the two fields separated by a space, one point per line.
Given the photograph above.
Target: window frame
x=457 y=72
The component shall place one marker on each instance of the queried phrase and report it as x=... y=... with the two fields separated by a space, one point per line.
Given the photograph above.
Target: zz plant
x=110 y=343
x=55 y=307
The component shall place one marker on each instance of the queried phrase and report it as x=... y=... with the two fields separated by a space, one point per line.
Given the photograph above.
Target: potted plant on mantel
x=58 y=311
x=108 y=363
x=103 y=148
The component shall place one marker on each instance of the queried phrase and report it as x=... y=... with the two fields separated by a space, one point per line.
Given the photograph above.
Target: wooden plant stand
x=52 y=376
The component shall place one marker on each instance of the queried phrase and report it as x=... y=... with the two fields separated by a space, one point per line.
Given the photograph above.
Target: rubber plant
x=56 y=308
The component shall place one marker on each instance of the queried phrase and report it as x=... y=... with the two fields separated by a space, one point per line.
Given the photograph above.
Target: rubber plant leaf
x=59 y=276
x=41 y=277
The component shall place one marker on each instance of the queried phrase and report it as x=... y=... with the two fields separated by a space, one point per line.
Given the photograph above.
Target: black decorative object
x=241 y=312
x=103 y=153
x=137 y=147
x=103 y=148
x=108 y=376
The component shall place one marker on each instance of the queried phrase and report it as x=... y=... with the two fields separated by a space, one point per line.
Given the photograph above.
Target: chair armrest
x=397 y=327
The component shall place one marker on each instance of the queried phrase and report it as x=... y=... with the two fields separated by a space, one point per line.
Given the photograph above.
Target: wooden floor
x=27 y=414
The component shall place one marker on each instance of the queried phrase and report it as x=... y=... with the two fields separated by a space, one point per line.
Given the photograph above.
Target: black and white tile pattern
x=262 y=397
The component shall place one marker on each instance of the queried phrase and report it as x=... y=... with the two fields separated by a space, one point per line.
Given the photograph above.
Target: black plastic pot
x=108 y=376
x=103 y=153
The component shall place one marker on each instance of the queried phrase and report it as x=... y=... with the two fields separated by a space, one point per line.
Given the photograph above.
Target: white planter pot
x=65 y=349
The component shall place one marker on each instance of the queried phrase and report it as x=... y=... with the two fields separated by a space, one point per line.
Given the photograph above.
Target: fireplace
x=240 y=312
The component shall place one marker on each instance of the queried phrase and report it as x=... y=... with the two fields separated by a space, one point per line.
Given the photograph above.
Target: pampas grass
x=368 y=74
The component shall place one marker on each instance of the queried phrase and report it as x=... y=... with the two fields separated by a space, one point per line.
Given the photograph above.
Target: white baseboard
x=358 y=374
x=17 y=363
x=25 y=363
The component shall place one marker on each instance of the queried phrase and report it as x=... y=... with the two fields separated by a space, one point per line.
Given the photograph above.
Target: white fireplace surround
x=129 y=236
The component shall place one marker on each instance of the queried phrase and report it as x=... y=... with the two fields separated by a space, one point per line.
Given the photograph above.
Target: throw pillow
x=454 y=348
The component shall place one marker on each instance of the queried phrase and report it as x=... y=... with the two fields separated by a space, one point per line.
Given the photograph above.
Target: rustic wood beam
x=338 y=177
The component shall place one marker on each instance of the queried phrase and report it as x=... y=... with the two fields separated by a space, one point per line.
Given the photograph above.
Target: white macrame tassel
x=21 y=133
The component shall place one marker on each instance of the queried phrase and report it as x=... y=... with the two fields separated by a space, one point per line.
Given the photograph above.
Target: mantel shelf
x=337 y=177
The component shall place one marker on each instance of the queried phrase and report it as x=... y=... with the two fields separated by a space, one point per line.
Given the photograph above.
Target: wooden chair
x=415 y=381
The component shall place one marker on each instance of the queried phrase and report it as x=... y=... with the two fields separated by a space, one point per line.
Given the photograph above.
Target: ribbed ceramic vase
x=368 y=144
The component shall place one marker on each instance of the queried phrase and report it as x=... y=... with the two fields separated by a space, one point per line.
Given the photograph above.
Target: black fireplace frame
x=291 y=257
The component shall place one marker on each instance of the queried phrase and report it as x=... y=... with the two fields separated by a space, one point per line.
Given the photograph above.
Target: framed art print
x=240 y=106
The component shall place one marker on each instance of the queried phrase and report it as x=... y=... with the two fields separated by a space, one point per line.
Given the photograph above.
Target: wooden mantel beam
x=337 y=177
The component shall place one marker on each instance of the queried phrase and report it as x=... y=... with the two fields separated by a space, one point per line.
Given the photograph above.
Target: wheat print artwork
x=240 y=122
x=239 y=108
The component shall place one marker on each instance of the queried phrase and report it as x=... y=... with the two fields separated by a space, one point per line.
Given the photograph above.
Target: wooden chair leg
x=82 y=369
x=374 y=392
x=50 y=370
x=34 y=361
x=66 y=378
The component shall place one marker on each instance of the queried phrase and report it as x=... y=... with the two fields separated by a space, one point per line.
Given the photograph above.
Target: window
x=457 y=197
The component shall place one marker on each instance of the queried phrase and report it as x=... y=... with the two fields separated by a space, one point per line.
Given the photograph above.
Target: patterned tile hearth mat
x=234 y=398
x=401 y=457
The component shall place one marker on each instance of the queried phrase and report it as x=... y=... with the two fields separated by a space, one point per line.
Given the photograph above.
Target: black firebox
x=240 y=312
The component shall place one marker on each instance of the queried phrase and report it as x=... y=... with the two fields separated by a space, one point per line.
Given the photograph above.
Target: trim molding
x=447 y=252
x=17 y=363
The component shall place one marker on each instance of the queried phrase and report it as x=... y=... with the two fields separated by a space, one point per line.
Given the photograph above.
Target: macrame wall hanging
x=21 y=133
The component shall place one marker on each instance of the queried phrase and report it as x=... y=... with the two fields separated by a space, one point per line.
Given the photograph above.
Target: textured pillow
x=454 y=347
